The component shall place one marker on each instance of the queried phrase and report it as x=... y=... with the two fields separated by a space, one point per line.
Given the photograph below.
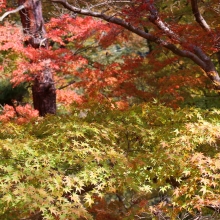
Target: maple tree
x=92 y=160
x=197 y=44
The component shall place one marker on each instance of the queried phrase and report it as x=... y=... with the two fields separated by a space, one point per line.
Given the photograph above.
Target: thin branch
x=11 y=12
x=78 y=51
x=70 y=83
x=109 y=3
x=199 y=18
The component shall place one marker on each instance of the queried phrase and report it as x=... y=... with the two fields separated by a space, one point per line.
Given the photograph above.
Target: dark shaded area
x=8 y=94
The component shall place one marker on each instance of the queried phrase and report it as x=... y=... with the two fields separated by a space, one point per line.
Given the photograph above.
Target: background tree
x=166 y=27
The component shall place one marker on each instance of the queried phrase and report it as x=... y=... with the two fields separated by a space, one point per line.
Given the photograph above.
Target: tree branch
x=70 y=83
x=155 y=19
x=110 y=3
x=197 y=55
x=11 y=12
x=199 y=18
x=138 y=31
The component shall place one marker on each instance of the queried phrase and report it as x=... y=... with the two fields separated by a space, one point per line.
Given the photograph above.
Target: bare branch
x=199 y=18
x=11 y=12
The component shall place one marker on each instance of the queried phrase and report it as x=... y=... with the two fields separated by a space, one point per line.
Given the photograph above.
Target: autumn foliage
x=148 y=161
x=21 y=114
x=136 y=134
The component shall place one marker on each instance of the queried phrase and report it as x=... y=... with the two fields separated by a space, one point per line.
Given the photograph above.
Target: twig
x=70 y=83
x=109 y=3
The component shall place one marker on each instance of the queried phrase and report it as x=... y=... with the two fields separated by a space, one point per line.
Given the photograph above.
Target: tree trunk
x=43 y=89
x=44 y=93
x=33 y=22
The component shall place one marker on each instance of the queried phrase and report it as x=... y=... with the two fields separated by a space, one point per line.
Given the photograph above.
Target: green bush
x=8 y=93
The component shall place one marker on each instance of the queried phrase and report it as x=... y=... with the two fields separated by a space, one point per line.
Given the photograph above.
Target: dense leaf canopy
x=147 y=160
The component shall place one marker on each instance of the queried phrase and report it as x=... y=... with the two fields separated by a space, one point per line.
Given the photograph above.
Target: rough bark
x=33 y=22
x=43 y=89
x=44 y=93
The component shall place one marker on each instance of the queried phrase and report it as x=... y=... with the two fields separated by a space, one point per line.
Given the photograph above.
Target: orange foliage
x=79 y=29
x=68 y=97
x=22 y=114
x=115 y=81
x=2 y=4
x=122 y=105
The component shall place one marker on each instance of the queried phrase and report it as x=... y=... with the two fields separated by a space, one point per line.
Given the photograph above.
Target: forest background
x=109 y=110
